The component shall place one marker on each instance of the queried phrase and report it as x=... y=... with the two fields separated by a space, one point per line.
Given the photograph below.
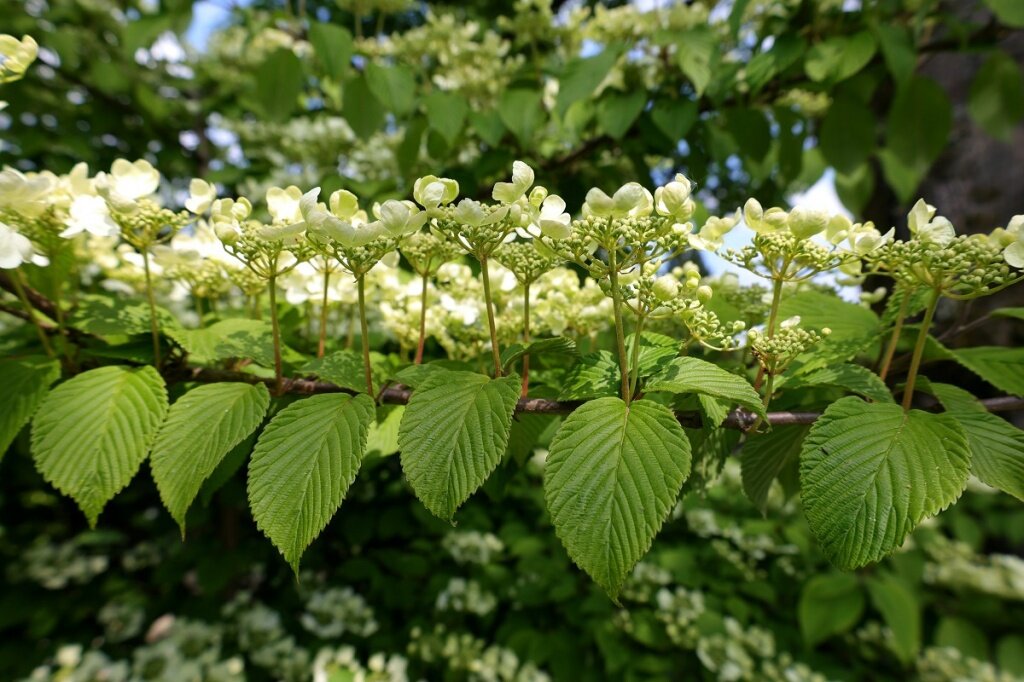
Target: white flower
x=399 y=218
x=762 y=221
x=89 y=213
x=553 y=220
x=472 y=214
x=201 y=196
x=16 y=249
x=431 y=191
x=24 y=194
x=920 y=215
x=511 y=192
x=865 y=238
x=347 y=232
x=632 y=199
x=1013 y=254
x=130 y=181
x=710 y=236
x=804 y=223
x=344 y=204
x=673 y=199
x=283 y=204
x=16 y=56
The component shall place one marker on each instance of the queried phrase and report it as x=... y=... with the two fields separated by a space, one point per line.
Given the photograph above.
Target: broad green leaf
x=393 y=86
x=655 y=351
x=1017 y=313
x=91 y=433
x=674 y=117
x=855 y=378
x=901 y=611
x=446 y=113
x=616 y=111
x=695 y=51
x=838 y=58
x=302 y=466
x=594 y=375
x=525 y=434
x=830 y=605
x=559 y=345
x=488 y=126
x=361 y=108
x=690 y=375
x=1010 y=654
x=25 y=381
x=581 y=77
x=855 y=188
x=854 y=328
x=522 y=111
x=847 y=133
x=998 y=365
x=751 y=131
x=962 y=635
x=764 y=457
x=109 y=316
x=612 y=476
x=333 y=47
x=344 y=368
x=869 y=473
x=996 y=100
x=897 y=50
x=997 y=446
x=201 y=428
x=279 y=82
x=1010 y=12
x=919 y=123
x=232 y=338
x=453 y=434
x=382 y=437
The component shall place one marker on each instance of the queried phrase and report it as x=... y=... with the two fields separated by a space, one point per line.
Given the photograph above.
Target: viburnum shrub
x=474 y=313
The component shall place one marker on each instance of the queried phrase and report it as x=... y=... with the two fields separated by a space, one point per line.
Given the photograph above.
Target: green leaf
x=521 y=111
x=838 y=58
x=110 y=316
x=279 y=82
x=612 y=476
x=558 y=345
x=302 y=466
x=996 y=100
x=869 y=473
x=393 y=86
x=333 y=46
x=25 y=381
x=695 y=51
x=201 y=428
x=902 y=613
x=847 y=133
x=998 y=365
x=446 y=113
x=765 y=457
x=1010 y=654
x=382 y=438
x=453 y=434
x=690 y=375
x=655 y=351
x=1017 y=313
x=232 y=338
x=616 y=111
x=361 y=108
x=674 y=117
x=898 y=51
x=1009 y=12
x=962 y=635
x=750 y=129
x=919 y=123
x=997 y=446
x=488 y=126
x=594 y=375
x=344 y=368
x=855 y=188
x=581 y=77
x=91 y=433
x=830 y=605
x=854 y=327
x=859 y=380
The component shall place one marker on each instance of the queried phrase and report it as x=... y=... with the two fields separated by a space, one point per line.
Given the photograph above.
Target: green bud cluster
x=149 y=223
x=525 y=261
x=784 y=256
x=966 y=267
x=426 y=252
x=775 y=353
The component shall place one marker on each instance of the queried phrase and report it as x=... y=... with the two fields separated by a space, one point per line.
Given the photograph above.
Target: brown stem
x=19 y=288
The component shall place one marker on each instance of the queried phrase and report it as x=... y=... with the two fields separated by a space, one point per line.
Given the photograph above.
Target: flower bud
x=666 y=288
x=704 y=294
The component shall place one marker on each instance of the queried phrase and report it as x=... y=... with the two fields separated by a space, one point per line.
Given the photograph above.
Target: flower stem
x=620 y=337
x=897 y=329
x=322 y=343
x=365 y=333
x=150 y=296
x=423 y=321
x=773 y=316
x=276 y=332
x=526 y=338
x=17 y=280
x=495 y=352
x=635 y=361
x=62 y=334
x=922 y=339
